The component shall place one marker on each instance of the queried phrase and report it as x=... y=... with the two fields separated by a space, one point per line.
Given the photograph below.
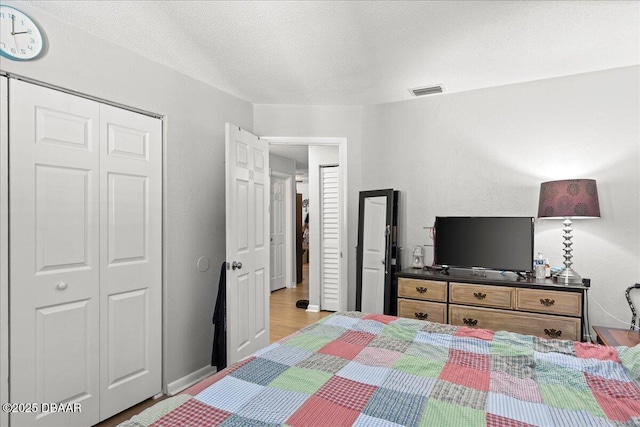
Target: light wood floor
x=286 y=318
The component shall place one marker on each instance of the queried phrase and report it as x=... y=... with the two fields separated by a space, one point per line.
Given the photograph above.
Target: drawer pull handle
x=479 y=295
x=421 y=316
x=421 y=289
x=470 y=322
x=552 y=333
x=547 y=302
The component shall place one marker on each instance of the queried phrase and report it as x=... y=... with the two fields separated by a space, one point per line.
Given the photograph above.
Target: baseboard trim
x=313 y=308
x=187 y=381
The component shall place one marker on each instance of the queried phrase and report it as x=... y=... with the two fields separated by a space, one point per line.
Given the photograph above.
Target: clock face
x=20 y=37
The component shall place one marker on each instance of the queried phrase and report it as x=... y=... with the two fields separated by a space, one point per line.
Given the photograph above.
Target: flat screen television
x=496 y=243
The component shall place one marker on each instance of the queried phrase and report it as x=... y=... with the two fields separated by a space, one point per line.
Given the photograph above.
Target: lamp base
x=568 y=277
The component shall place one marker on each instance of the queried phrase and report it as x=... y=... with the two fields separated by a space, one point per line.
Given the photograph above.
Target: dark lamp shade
x=569 y=198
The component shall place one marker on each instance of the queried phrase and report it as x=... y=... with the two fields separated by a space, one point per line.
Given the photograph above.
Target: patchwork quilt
x=360 y=369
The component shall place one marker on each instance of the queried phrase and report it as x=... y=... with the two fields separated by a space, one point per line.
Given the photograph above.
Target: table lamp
x=568 y=199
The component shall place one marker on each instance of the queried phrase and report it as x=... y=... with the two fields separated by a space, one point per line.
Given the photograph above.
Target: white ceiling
x=359 y=52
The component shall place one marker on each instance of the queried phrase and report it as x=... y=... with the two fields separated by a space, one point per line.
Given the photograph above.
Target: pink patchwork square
x=614 y=388
x=594 y=351
x=192 y=412
x=348 y=393
x=356 y=337
x=468 y=377
x=375 y=356
x=341 y=349
x=382 y=318
x=524 y=389
x=498 y=421
x=619 y=409
x=483 y=334
x=469 y=360
x=317 y=411
x=619 y=400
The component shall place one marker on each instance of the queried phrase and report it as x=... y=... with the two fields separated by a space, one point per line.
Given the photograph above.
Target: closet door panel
x=131 y=189
x=127 y=218
x=54 y=246
x=63 y=347
x=62 y=235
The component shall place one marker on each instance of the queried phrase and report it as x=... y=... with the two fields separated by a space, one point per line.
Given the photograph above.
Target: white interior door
x=374 y=254
x=130 y=258
x=247 y=242
x=54 y=211
x=278 y=233
x=330 y=238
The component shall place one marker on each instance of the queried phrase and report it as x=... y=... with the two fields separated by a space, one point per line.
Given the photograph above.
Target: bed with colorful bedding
x=361 y=369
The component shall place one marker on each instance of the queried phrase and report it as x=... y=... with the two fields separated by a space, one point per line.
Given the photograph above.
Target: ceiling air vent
x=427 y=90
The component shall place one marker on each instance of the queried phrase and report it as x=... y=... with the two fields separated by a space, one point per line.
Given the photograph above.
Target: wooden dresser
x=494 y=301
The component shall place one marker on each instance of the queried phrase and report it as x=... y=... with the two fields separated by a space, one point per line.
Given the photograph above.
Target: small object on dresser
x=418 y=257
x=547 y=268
x=539 y=266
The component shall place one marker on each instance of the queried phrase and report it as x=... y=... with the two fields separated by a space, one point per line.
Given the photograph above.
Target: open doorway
x=309 y=156
x=289 y=246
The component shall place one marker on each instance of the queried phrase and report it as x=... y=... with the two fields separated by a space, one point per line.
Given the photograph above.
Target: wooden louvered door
x=330 y=238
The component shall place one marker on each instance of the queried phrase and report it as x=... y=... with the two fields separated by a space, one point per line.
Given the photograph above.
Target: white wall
x=194 y=218
x=4 y=248
x=485 y=152
x=323 y=121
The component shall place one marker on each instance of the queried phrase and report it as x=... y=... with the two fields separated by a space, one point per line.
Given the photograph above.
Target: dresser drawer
x=543 y=301
x=429 y=290
x=482 y=295
x=423 y=310
x=540 y=325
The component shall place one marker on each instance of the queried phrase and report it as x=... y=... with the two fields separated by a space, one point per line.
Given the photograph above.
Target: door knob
x=236 y=265
x=62 y=286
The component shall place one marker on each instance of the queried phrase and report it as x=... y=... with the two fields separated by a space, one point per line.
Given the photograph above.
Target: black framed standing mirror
x=377 y=259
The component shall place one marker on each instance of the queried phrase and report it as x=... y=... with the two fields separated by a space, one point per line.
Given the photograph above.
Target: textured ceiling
x=361 y=53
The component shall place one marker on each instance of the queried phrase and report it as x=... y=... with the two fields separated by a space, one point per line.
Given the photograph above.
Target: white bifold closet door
x=85 y=255
x=330 y=237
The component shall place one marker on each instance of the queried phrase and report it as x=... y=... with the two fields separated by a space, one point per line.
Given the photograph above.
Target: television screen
x=497 y=243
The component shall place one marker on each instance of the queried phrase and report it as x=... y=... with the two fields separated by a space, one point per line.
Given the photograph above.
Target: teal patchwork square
x=510 y=344
x=548 y=373
x=259 y=371
x=391 y=405
x=428 y=351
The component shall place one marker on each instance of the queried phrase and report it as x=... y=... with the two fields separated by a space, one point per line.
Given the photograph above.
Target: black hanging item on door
x=219 y=352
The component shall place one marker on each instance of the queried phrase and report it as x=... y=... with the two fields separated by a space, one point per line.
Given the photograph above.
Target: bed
x=359 y=369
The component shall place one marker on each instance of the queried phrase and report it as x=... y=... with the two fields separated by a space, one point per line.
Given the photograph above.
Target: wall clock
x=20 y=37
